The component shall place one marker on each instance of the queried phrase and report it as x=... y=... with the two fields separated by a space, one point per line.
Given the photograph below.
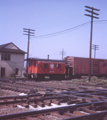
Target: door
x=95 y=67
x=2 y=72
x=68 y=72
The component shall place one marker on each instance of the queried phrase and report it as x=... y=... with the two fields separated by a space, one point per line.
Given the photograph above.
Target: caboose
x=42 y=68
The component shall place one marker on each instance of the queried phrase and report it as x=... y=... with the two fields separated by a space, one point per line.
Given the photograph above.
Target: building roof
x=37 y=59
x=11 y=48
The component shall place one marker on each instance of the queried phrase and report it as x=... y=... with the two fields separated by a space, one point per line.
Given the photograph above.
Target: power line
x=66 y=30
x=63 y=31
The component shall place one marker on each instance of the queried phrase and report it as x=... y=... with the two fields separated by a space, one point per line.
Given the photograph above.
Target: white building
x=11 y=61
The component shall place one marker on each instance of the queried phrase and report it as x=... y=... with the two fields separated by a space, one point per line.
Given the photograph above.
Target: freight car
x=78 y=66
x=70 y=67
x=42 y=68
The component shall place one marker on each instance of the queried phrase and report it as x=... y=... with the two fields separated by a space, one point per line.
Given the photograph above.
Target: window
x=35 y=64
x=45 y=65
x=58 y=65
x=5 y=57
x=17 y=69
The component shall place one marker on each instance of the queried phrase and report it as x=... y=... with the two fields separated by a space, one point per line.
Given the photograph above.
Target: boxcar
x=78 y=66
x=42 y=68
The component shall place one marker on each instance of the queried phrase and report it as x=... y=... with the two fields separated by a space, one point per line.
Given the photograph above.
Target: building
x=11 y=61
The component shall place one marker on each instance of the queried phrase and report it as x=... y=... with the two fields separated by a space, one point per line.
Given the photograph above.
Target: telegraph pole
x=91 y=10
x=62 y=53
x=29 y=32
x=95 y=47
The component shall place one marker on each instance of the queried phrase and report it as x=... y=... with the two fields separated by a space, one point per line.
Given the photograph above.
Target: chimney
x=48 y=57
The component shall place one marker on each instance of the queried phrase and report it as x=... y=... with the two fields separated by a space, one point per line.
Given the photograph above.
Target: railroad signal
x=91 y=10
x=95 y=47
x=30 y=32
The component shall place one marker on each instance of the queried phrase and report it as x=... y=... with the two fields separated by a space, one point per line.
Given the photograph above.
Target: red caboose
x=41 y=68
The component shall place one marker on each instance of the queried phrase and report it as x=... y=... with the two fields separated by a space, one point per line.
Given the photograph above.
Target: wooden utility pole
x=29 y=32
x=92 y=16
x=62 y=53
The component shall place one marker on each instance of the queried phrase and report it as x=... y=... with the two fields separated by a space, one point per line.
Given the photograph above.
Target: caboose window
x=45 y=65
x=35 y=64
x=58 y=65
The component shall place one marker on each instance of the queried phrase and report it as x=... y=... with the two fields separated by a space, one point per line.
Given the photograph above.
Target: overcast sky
x=53 y=16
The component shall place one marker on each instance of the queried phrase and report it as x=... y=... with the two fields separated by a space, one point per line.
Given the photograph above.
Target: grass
x=94 y=80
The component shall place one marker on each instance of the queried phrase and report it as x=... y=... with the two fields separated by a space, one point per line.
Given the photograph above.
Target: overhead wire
x=67 y=30
x=62 y=32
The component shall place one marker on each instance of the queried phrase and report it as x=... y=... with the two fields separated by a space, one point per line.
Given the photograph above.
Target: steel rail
x=33 y=100
x=28 y=95
x=61 y=110
x=49 y=94
x=84 y=94
x=25 y=86
x=93 y=116
x=59 y=96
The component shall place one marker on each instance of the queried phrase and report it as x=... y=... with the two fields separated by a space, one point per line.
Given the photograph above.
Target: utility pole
x=91 y=10
x=95 y=47
x=29 y=32
x=62 y=53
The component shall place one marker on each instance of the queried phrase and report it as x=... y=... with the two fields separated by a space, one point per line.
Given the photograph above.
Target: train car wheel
x=29 y=76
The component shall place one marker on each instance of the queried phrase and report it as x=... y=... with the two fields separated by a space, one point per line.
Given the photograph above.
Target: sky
x=58 y=24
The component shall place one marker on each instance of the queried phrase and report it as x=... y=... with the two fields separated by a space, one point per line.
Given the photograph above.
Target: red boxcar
x=40 y=68
x=78 y=66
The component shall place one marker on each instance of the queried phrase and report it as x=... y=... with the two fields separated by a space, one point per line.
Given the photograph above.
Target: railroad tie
x=56 y=102
x=64 y=100
x=58 y=115
x=86 y=109
x=34 y=105
x=47 y=102
x=42 y=117
x=69 y=114
x=25 y=105
x=40 y=104
x=72 y=102
x=14 y=105
x=78 y=113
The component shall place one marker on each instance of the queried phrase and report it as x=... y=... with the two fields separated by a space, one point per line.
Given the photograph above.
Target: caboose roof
x=52 y=60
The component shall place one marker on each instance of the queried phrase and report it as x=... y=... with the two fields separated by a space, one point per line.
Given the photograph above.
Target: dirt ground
x=8 y=93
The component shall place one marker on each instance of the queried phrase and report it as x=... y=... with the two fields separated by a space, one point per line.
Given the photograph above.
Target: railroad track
x=74 y=112
x=65 y=103
x=32 y=86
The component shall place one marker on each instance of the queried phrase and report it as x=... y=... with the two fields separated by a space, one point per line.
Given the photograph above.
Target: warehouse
x=11 y=61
